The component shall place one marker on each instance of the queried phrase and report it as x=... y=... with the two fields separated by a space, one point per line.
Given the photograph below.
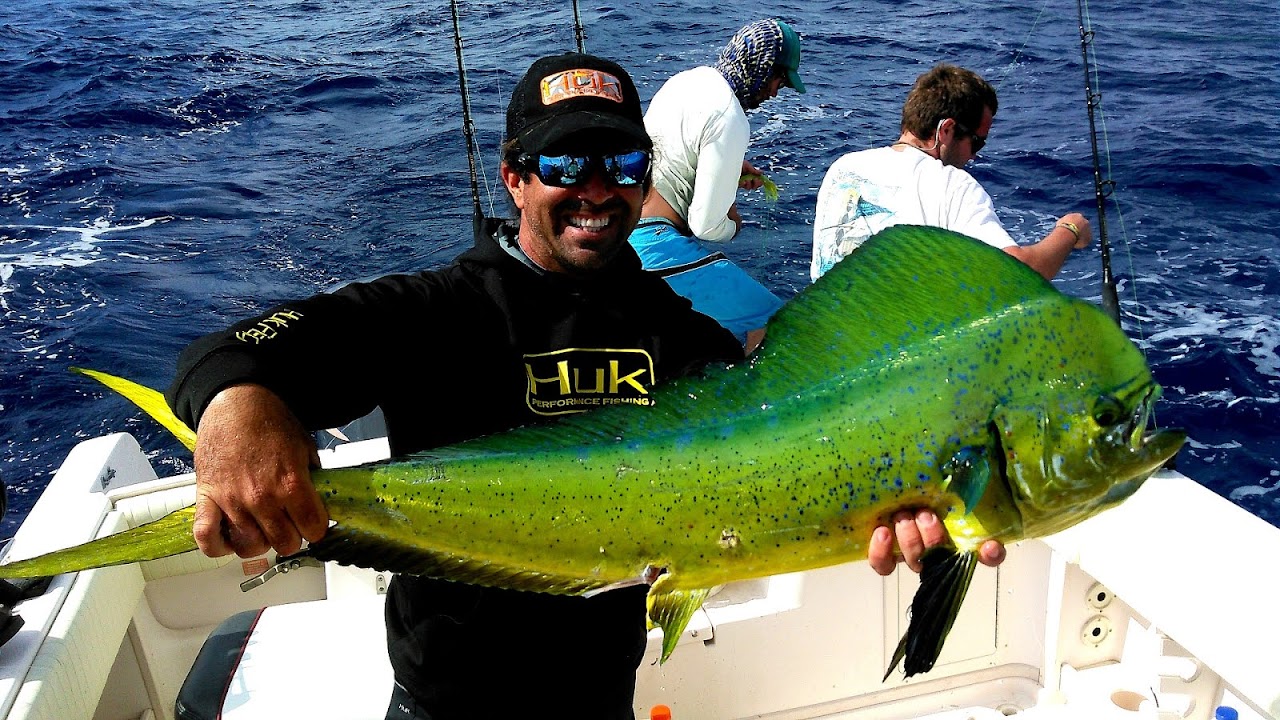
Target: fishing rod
x=578 y=32
x=478 y=220
x=468 y=126
x=1102 y=189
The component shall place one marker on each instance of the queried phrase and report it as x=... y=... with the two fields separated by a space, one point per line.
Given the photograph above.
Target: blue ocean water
x=166 y=167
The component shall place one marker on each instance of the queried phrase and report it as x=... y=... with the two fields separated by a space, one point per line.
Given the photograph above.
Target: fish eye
x=1108 y=411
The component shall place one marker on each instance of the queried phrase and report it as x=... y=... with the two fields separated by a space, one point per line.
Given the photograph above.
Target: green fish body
x=925 y=370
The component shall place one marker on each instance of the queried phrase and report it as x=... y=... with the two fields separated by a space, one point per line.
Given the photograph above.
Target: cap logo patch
x=570 y=84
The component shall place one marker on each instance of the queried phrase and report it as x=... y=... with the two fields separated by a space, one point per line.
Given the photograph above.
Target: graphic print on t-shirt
x=861 y=219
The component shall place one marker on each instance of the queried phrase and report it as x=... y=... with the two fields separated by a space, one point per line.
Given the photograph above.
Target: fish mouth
x=1138 y=460
x=1148 y=450
x=1162 y=445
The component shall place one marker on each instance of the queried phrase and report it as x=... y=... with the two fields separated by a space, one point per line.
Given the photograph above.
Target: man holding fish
x=545 y=318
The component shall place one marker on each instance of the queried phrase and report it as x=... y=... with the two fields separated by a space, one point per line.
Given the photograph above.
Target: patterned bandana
x=747 y=61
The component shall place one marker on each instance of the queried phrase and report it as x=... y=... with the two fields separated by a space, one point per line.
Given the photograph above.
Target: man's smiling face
x=575 y=230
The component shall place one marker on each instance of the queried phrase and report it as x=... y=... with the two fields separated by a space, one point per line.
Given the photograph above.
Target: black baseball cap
x=563 y=95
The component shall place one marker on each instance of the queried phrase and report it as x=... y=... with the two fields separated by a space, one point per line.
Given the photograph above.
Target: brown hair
x=944 y=92
x=511 y=152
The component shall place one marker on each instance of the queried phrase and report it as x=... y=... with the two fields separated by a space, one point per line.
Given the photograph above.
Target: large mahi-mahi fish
x=925 y=370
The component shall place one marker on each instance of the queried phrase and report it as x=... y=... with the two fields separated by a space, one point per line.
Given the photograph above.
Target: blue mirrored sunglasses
x=629 y=168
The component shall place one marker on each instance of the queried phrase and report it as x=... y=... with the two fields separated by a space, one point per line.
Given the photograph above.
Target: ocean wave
x=335 y=92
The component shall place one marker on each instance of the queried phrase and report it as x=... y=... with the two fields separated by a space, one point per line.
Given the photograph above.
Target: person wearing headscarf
x=698 y=122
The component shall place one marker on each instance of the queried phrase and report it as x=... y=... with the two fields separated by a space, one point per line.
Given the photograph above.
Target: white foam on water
x=1254 y=335
x=87 y=238
x=200 y=122
x=56 y=249
x=1270 y=486
x=1232 y=445
x=10 y=195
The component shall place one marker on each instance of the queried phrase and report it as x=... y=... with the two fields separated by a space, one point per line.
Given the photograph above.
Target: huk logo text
x=577 y=379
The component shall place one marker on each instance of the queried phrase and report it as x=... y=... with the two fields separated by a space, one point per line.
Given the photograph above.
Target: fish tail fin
x=151 y=402
x=169 y=535
x=670 y=609
x=943 y=583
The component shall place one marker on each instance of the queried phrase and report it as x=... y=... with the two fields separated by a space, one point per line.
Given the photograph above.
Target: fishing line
x=1103 y=189
x=1025 y=40
x=1106 y=188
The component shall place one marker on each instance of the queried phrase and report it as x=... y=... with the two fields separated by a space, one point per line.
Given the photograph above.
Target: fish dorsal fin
x=905 y=285
x=902 y=289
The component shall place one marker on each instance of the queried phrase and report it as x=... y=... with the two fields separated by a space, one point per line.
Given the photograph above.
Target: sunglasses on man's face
x=978 y=142
x=625 y=169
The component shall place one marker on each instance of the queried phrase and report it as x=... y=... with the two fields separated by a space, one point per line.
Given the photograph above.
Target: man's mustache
x=588 y=207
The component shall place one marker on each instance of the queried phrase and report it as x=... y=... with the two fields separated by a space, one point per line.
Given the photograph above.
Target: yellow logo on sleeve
x=269 y=327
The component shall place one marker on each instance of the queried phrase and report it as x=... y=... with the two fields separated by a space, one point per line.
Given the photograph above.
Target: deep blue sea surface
x=168 y=166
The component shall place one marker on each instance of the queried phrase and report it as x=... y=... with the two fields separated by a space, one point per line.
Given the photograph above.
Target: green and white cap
x=789 y=58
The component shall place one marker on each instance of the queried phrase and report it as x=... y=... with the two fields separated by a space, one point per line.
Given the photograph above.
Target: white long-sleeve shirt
x=700 y=135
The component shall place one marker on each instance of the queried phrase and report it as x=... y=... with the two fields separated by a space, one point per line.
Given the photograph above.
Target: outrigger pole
x=1101 y=188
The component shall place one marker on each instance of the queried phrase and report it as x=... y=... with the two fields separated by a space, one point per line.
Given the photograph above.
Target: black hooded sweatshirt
x=483 y=345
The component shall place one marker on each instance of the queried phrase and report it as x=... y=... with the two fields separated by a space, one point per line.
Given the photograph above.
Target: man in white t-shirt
x=698 y=123
x=920 y=180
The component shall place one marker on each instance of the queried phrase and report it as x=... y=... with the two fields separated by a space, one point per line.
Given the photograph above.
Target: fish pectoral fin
x=968 y=473
x=670 y=609
x=166 y=536
x=943 y=583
